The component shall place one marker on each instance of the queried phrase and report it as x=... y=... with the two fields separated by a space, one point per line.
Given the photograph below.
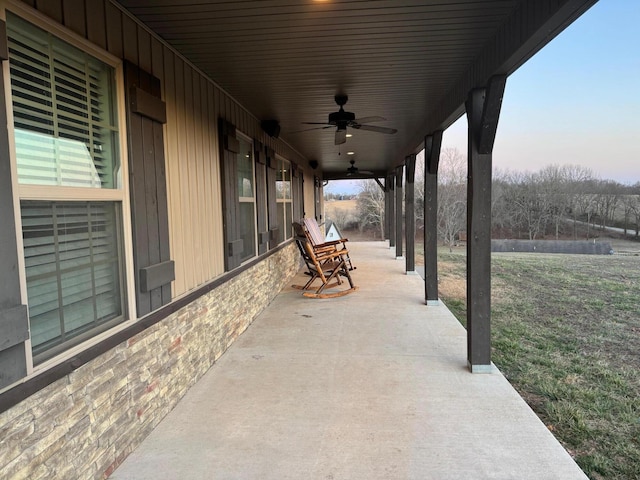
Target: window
x=283 y=200
x=69 y=173
x=71 y=257
x=246 y=198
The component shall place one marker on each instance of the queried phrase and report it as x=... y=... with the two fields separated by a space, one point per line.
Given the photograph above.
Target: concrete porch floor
x=373 y=385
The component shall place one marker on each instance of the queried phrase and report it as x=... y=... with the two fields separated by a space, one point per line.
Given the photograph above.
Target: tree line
x=568 y=201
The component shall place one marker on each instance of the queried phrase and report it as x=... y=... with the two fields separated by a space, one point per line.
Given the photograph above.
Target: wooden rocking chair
x=328 y=267
x=313 y=233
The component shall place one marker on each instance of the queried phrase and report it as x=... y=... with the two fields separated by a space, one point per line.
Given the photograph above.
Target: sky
x=577 y=101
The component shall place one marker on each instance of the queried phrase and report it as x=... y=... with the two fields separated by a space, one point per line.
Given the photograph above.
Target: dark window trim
x=24 y=390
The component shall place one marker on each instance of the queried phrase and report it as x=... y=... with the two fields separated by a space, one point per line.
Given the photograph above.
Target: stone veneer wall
x=85 y=424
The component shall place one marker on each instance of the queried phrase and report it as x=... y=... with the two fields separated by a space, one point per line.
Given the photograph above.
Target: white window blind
x=63 y=111
x=71 y=260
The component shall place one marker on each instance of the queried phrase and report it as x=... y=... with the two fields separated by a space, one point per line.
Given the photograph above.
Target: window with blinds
x=71 y=261
x=247 y=199
x=284 y=200
x=66 y=142
x=63 y=109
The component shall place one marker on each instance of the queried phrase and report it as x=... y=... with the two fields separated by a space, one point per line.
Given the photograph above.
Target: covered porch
x=221 y=121
x=372 y=385
x=358 y=89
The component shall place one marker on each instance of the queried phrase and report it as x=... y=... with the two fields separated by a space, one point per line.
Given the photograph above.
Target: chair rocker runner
x=328 y=267
x=318 y=242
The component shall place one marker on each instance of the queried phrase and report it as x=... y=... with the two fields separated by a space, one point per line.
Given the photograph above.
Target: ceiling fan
x=341 y=120
x=353 y=170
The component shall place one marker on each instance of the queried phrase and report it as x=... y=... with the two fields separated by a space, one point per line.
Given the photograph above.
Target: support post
x=387 y=207
x=483 y=109
x=392 y=210
x=432 y=144
x=410 y=213
x=399 y=212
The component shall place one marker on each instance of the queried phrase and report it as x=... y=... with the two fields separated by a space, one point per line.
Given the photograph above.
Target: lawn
x=566 y=333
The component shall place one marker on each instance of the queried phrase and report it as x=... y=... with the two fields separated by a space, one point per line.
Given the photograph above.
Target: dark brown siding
x=261 y=197
x=272 y=206
x=228 y=162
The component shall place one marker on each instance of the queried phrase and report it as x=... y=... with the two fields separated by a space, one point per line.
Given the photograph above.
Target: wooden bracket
x=384 y=189
x=228 y=134
x=483 y=110
x=147 y=105
x=270 y=157
x=410 y=162
x=157 y=275
x=231 y=144
x=398 y=175
x=235 y=247
x=258 y=152
x=432 y=145
x=15 y=326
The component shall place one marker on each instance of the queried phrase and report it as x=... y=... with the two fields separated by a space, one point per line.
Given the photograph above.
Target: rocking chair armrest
x=322 y=248
x=322 y=256
x=332 y=242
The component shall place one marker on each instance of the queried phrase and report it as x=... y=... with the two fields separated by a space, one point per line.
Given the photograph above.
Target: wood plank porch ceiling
x=286 y=59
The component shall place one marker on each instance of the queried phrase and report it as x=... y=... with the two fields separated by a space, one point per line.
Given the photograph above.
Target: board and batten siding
x=194 y=103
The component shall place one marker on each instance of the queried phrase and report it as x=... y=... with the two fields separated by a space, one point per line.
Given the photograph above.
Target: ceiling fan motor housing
x=341 y=117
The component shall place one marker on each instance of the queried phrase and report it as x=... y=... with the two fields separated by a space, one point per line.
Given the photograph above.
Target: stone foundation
x=85 y=424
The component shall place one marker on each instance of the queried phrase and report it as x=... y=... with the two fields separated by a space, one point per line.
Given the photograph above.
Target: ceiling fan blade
x=369 y=119
x=315 y=123
x=367 y=172
x=373 y=128
x=341 y=137
x=309 y=129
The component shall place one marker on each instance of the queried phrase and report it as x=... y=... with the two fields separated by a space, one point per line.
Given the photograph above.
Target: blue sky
x=577 y=101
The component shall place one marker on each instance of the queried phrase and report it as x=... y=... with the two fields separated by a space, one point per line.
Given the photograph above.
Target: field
x=566 y=333
x=340 y=211
x=331 y=206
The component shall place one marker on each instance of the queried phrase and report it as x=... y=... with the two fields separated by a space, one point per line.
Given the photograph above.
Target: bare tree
x=552 y=182
x=586 y=205
x=340 y=217
x=607 y=198
x=419 y=191
x=503 y=215
x=452 y=195
x=576 y=178
x=527 y=204
x=635 y=212
x=370 y=206
x=530 y=204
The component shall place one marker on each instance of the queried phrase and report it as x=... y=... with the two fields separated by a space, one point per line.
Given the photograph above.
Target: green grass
x=566 y=333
